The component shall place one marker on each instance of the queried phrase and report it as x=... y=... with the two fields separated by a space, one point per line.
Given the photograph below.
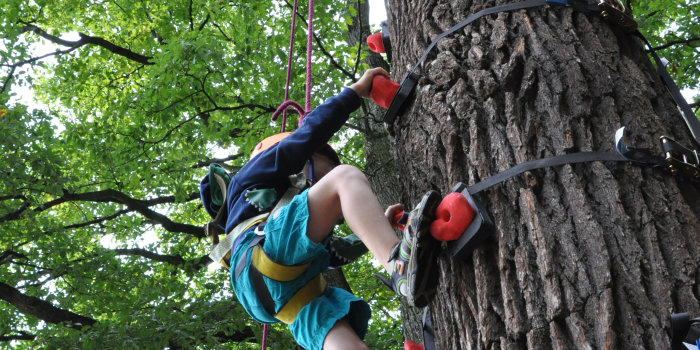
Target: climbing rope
x=264 y=339
x=287 y=103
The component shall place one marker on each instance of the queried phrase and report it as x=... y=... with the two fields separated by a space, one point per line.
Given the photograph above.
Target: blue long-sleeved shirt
x=270 y=168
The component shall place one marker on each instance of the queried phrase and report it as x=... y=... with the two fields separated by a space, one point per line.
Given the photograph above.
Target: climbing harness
x=221 y=251
x=262 y=265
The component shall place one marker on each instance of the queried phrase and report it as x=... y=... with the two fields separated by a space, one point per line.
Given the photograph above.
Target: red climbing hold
x=375 y=43
x=400 y=220
x=383 y=90
x=454 y=214
x=410 y=345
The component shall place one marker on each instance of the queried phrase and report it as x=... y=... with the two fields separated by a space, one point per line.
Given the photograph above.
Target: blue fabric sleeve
x=289 y=156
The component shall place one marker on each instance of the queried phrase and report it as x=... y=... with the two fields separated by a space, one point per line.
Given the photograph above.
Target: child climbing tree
x=591 y=255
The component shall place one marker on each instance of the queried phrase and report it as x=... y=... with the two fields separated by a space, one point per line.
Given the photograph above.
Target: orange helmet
x=268 y=142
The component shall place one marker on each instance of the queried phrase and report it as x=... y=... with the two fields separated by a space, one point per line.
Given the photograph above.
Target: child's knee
x=348 y=172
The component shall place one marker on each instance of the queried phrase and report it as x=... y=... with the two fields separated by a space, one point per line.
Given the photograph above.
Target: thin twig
x=675 y=42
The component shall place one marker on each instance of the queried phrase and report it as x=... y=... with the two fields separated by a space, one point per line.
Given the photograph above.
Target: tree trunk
x=588 y=256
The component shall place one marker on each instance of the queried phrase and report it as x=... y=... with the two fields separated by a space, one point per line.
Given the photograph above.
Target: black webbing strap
x=690 y=118
x=428 y=333
x=256 y=278
x=501 y=8
x=571 y=158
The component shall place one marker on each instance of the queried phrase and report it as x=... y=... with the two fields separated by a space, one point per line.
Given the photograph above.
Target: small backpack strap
x=214 y=227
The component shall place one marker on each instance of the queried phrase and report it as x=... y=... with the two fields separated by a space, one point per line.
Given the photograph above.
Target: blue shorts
x=286 y=243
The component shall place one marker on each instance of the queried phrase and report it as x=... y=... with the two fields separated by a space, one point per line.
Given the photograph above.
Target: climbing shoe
x=414 y=259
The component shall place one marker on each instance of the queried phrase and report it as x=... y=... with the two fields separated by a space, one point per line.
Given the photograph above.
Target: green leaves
x=674 y=28
x=98 y=174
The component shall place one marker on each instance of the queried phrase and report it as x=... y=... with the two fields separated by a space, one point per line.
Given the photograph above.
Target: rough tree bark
x=588 y=256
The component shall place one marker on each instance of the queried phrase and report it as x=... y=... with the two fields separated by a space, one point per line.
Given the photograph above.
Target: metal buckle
x=680 y=160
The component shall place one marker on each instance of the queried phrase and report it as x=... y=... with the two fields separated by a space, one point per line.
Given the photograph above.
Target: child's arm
x=290 y=155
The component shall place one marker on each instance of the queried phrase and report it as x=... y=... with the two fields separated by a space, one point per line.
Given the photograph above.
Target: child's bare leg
x=345 y=190
x=342 y=336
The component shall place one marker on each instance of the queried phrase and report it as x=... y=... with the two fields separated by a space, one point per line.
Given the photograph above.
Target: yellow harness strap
x=284 y=273
x=222 y=251
x=310 y=291
x=273 y=270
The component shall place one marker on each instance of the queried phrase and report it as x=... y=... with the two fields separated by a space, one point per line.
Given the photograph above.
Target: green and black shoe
x=414 y=260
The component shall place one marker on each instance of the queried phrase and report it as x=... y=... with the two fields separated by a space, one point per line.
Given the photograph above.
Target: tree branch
x=98 y=220
x=34 y=59
x=20 y=336
x=201 y=26
x=249 y=106
x=140 y=206
x=15 y=214
x=87 y=39
x=41 y=309
x=6 y=83
x=676 y=42
x=12 y=196
x=222 y=32
x=175 y=260
x=359 y=45
x=191 y=20
x=10 y=255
